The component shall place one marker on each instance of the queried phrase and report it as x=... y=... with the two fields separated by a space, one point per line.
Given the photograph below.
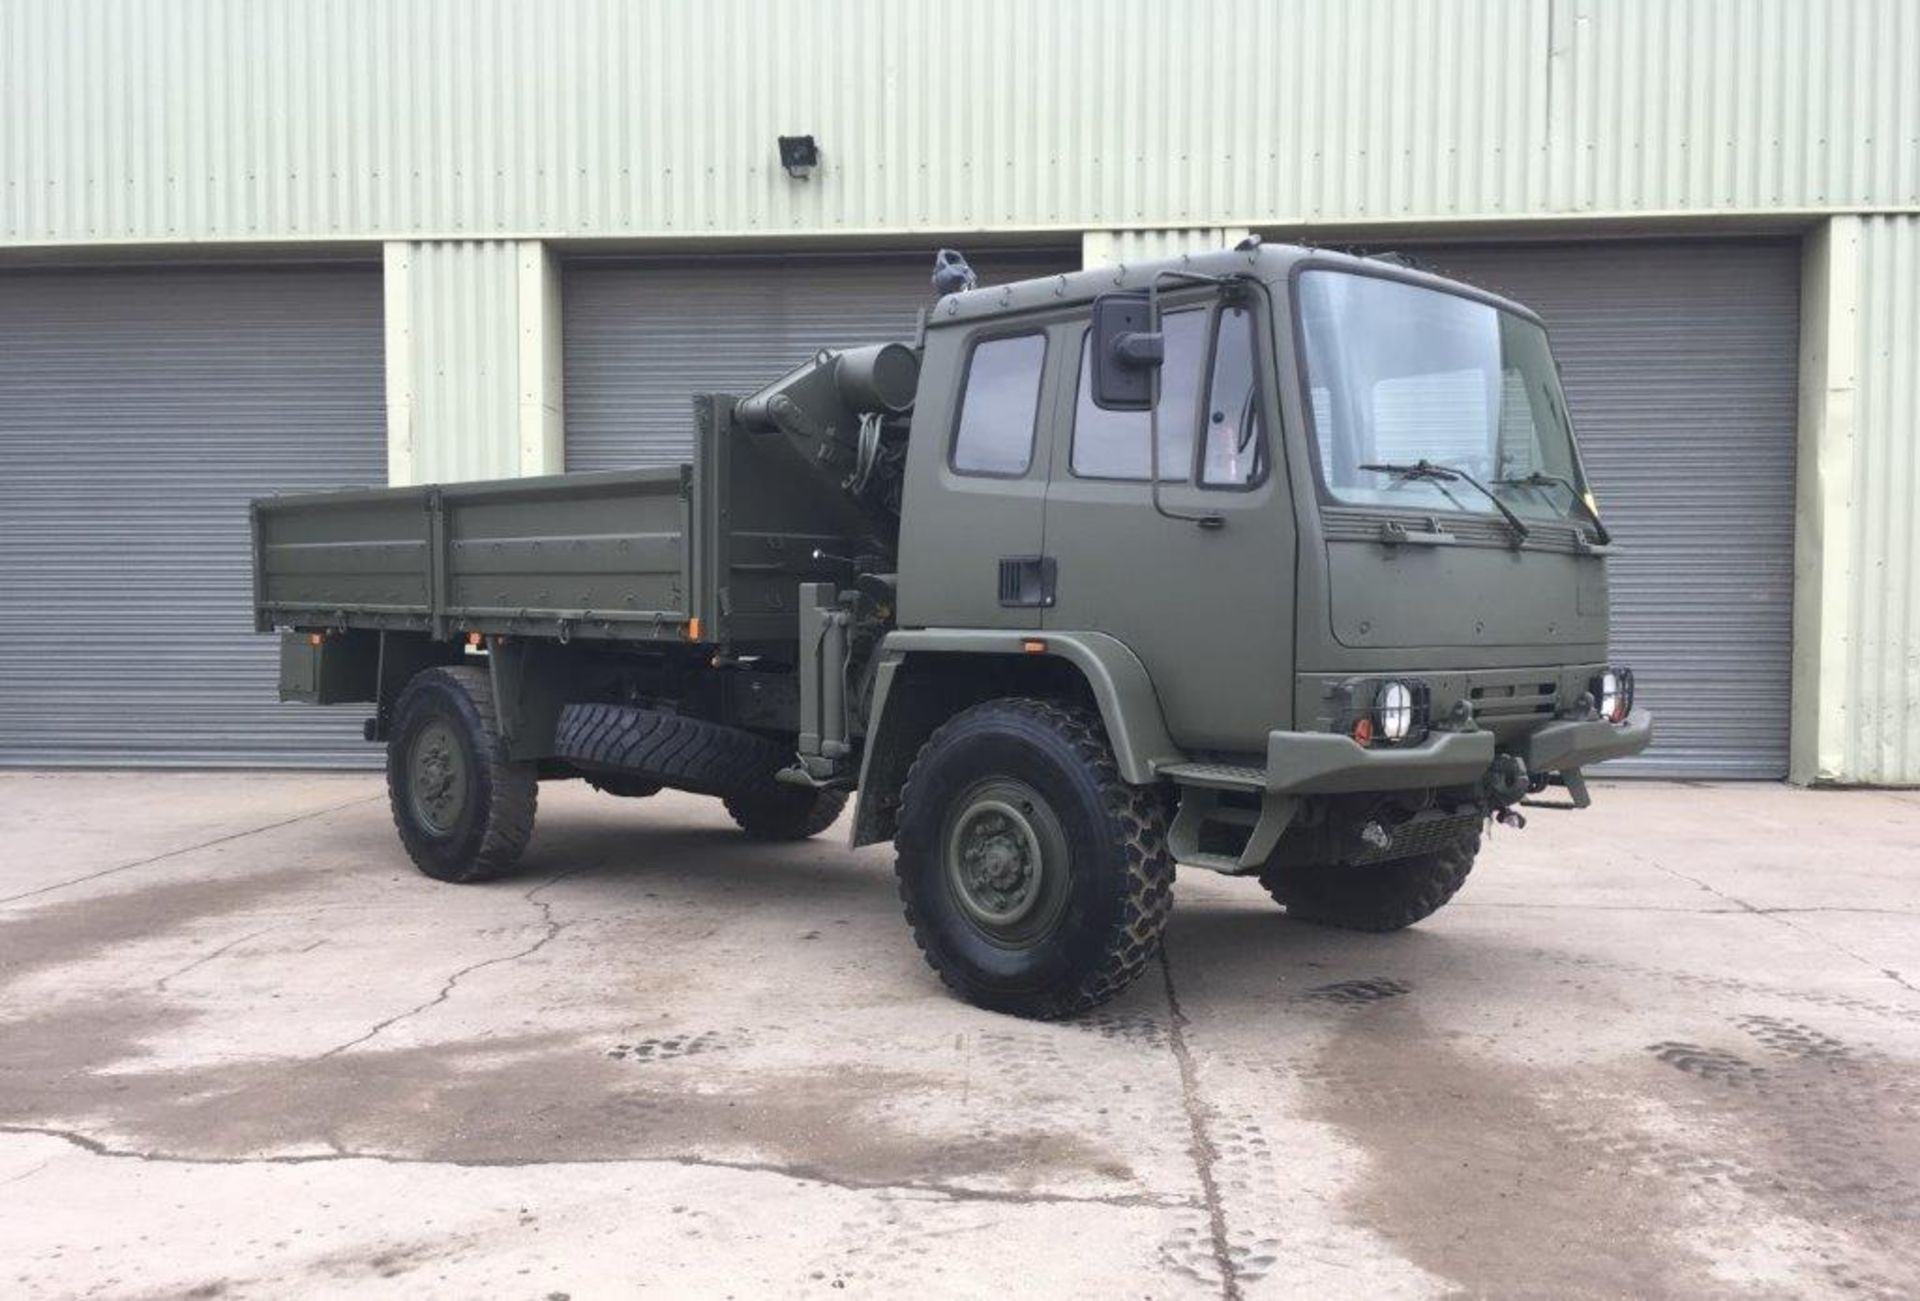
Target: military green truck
x=1272 y=562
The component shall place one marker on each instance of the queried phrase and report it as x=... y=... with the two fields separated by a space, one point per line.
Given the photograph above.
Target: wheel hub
x=999 y=854
x=438 y=777
x=1005 y=860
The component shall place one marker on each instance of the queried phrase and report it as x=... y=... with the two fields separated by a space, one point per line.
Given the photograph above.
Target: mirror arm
x=1148 y=349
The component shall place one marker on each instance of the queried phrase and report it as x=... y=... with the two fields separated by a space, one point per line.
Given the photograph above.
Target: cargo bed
x=711 y=550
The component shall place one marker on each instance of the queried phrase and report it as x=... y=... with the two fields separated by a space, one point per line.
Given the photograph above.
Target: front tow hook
x=1505 y=780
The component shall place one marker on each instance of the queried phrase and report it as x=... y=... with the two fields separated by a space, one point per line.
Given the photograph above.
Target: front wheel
x=1373 y=897
x=1035 y=880
x=464 y=809
x=623 y=786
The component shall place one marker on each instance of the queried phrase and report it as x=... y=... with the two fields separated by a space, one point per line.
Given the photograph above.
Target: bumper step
x=1219 y=776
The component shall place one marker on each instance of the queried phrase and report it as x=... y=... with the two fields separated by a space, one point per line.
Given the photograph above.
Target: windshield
x=1399 y=374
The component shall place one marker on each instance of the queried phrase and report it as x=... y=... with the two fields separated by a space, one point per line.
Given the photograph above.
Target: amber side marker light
x=475 y=639
x=316 y=638
x=1363 y=731
x=693 y=629
x=1034 y=646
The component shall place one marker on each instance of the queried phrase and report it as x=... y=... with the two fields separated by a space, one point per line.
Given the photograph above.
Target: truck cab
x=1362 y=608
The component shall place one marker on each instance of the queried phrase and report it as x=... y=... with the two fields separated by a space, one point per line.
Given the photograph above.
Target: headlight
x=1613 y=694
x=1393 y=711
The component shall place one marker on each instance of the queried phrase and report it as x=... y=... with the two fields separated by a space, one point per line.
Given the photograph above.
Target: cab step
x=1227 y=828
x=1219 y=776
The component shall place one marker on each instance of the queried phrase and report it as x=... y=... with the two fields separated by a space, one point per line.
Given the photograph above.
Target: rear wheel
x=1035 y=880
x=776 y=812
x=463 y=808
x=1373 y=897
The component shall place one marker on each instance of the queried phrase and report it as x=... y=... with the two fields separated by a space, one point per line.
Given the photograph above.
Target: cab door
x=971 y=550
x=1201 y=587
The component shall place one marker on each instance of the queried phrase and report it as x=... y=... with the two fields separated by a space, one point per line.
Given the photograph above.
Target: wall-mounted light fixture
x=799 y=155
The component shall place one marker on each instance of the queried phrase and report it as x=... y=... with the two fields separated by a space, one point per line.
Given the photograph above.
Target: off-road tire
x=777 y=812
x=689 y=754
x=1118 y=876
x=1374 y=897
x=497 y=796
x=622 y=786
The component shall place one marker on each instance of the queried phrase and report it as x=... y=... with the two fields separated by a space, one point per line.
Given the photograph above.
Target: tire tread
x=1380 y=898
x=785 y=812
x=1138 y=820
x=514 y=787
x=676 y=750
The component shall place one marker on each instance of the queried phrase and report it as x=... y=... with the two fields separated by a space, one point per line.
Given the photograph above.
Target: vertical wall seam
x=1839 y=628
x=397 y=268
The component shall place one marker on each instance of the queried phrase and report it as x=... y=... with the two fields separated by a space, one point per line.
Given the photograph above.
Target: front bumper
x=1560 y=746
x=1325 y=763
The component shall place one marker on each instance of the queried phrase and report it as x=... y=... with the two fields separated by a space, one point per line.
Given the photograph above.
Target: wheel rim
x=437 y=778
x=1004 y=856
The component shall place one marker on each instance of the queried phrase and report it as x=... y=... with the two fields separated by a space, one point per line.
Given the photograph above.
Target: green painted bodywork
x=1574 y=743
x=1136 y=723
x=1222 y=658
x=618 y=556
x=1223 y=619
x=1245 y=633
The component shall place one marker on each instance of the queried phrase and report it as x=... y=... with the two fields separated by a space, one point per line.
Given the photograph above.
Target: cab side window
x=1000 y=406
x=1235 y=452
x=1113 y=444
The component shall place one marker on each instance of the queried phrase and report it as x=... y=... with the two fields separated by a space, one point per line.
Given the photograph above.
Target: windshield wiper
x=1425 y=469
x=1541 y=479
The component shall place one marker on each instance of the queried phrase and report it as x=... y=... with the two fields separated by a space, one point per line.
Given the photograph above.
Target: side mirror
x=1127 y=348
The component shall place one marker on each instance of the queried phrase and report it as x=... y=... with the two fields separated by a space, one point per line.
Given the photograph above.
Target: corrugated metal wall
x=222 y=119
x=460 y=131
x=1880 y=700
x=1105 y=247
x=1697 y=104
x=453 y=344
x=140 y=411
x=644 y=337
x=1679 y=361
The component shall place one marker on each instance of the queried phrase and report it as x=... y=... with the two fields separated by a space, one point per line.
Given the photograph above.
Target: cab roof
x=1267 y=262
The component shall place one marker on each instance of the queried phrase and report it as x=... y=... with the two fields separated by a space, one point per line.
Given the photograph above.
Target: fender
x=1129 y=706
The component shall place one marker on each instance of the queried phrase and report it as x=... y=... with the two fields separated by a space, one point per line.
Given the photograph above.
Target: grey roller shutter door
x=643 y=337
x=140 y=410
x=1681 y=363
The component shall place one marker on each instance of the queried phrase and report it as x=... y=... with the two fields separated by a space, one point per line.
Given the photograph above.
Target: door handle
x=1027 y=581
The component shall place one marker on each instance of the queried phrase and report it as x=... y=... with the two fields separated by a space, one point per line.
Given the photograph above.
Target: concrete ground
x=1664 y=1047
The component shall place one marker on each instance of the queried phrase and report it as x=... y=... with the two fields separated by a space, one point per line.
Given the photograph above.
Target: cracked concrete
x=1206 y=1154
x=932 y=1188
x=549 y=931
x=1664 y=1046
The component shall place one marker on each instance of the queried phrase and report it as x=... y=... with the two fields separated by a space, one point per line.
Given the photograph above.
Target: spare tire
x=689 y=754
